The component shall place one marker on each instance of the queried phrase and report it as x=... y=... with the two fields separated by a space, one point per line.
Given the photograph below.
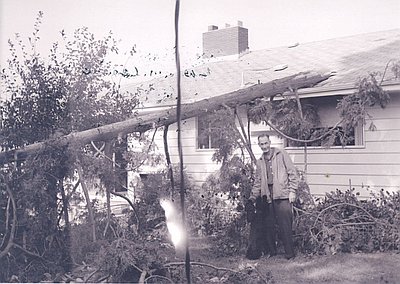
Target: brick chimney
x=224 y=42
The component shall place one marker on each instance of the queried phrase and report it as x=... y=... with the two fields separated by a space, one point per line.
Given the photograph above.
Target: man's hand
x=292 y=197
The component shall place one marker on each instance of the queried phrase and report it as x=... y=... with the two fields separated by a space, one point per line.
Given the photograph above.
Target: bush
x=124 y=252
x=217 y=209
x=125 y=258
x=342 y=223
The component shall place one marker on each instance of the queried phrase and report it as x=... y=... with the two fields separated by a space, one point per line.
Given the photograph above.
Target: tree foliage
x=340 y=222
x=354 y=108
x=47 y=97
x=297 y=120
x=286 y=115
x=222 y=130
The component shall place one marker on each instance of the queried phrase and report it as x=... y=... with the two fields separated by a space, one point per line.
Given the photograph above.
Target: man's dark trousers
x=283 y=215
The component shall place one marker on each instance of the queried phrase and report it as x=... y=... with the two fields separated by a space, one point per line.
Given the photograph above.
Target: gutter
x=345 y=89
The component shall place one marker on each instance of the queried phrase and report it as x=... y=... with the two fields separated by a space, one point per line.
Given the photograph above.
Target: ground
x=214 y=264
x=340 y=268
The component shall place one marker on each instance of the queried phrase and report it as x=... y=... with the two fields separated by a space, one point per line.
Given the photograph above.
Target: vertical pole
x=178 y=114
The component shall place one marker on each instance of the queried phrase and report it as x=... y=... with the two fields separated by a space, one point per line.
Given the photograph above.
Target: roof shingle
x=349 y=57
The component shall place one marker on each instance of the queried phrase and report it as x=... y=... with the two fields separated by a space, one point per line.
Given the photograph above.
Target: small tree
x=68 y=91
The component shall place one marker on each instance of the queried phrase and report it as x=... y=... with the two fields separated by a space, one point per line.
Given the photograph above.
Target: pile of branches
x=173 y=272
x=341 y=222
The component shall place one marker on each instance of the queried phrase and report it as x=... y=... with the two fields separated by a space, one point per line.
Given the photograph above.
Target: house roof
x=350 y=58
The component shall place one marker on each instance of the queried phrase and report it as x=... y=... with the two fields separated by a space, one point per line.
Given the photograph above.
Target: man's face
x=265 y=144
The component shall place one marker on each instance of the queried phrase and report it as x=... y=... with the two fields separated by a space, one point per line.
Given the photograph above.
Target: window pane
x=336 y=138
x=120 y=166
x=203 y=137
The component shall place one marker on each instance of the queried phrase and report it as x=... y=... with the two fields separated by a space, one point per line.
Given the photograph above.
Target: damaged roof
x=349 y=58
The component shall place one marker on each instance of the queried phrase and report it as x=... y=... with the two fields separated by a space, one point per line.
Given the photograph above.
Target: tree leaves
x=48 y=97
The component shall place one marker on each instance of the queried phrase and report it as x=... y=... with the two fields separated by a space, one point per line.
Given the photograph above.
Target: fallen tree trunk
x=144 y=122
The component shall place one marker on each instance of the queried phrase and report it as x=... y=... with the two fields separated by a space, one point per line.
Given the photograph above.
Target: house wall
x=198 y=162
x=371 y=166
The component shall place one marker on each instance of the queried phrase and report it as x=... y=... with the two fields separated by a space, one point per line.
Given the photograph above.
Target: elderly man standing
x=276 y=182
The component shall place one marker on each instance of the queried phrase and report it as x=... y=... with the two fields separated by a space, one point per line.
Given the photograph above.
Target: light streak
x=173 y=222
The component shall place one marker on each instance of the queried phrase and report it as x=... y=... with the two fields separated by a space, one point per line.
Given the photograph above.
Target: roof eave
x=344 y=89
x=321 y=91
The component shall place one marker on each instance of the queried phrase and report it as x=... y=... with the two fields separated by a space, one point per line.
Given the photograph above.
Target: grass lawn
x=340 y=268
x=363 y=268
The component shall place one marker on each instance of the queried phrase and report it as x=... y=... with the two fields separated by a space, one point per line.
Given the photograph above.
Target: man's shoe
x=291 y=256
x=269 y=255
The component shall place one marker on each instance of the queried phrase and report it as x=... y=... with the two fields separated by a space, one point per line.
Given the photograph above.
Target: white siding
x=373 y=165
x=197 y=162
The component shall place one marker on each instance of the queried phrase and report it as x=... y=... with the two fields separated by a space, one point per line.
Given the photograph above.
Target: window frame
x=359 y=141
x=359 y=130
x=121 y=173
x=210 y=143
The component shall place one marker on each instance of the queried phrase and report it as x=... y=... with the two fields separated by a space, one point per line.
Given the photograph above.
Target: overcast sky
x=150 y=23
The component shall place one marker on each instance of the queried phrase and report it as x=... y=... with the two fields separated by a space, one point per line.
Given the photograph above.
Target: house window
x=328 y=116
x=354 y=138
x=120 y=165
x=119 y=162
x=205 y=138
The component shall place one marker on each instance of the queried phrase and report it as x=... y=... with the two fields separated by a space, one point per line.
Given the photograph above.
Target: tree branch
x=7 y=222
x=200 y=264
x=142 y=277
x=168 y=158
x=130 y=203
x=248 y=127
x=216 y=268
x=247 y=141
x=305 y=144
x=88 y=203
x=109 y=154
x=301 y=140
x=32 y=254
x=100 y=153
x=158 y=276
x=14 y=220
x=144 y=122
x=98 y=150
x=384 y=72
x=148 y=150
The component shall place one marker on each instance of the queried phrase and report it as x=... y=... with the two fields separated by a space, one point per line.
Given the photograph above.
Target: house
x=370 y=162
